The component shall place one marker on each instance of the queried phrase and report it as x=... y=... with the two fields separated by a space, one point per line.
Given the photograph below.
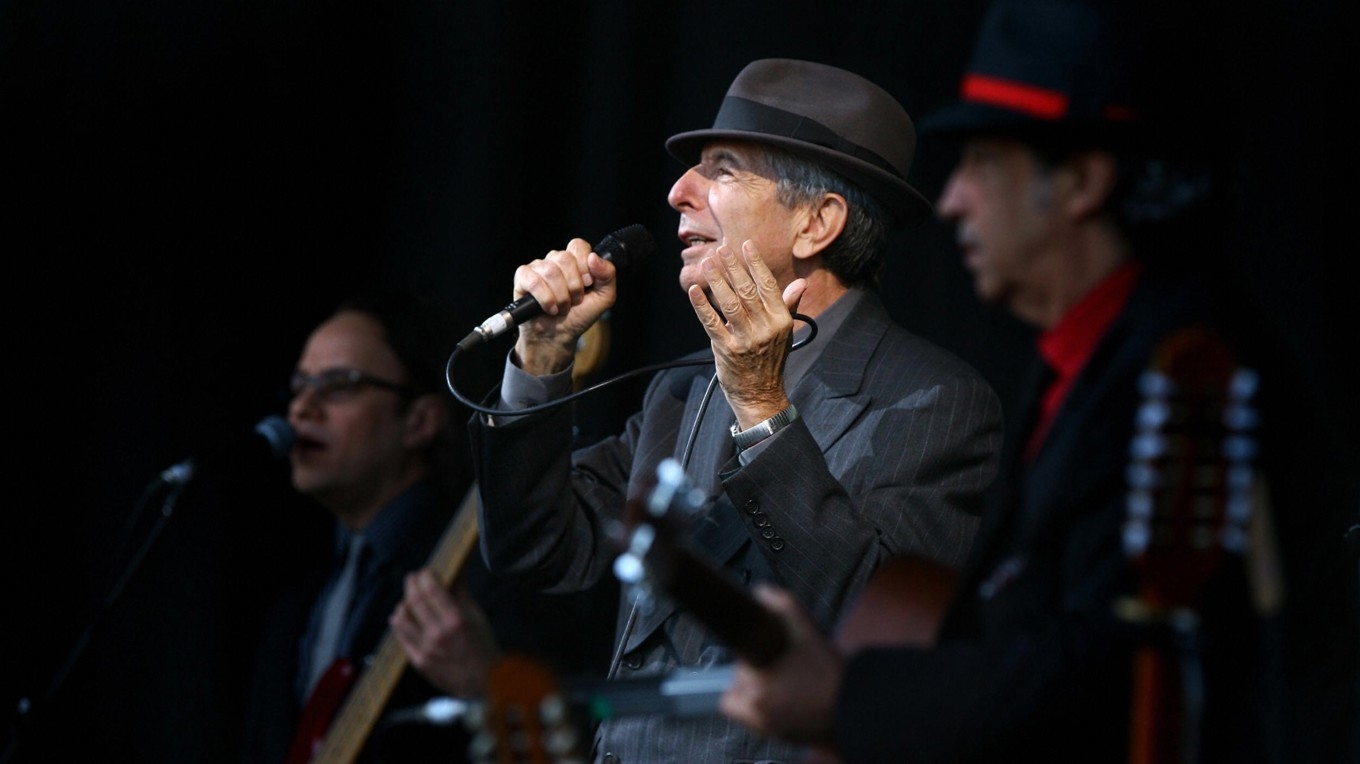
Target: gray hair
x=856 y=256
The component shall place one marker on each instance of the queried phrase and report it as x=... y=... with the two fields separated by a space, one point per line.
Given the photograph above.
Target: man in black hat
x=1076 y=212
x=814 y=466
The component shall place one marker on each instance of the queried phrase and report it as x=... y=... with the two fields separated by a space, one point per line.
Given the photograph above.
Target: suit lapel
x=712 y=448
x=828 y=398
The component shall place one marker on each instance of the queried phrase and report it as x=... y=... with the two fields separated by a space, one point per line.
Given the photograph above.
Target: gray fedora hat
x=828 y=115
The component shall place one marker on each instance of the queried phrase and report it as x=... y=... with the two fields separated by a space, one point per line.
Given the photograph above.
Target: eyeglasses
x=337 y=384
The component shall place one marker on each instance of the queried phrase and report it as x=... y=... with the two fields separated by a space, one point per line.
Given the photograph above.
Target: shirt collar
x=828 y=322
x=384 y=533
x=1067 y=345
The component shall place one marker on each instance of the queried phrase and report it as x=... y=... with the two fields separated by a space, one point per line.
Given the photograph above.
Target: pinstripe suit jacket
x=895 y=445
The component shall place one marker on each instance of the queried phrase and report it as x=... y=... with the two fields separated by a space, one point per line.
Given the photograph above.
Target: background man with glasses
x=375 y=448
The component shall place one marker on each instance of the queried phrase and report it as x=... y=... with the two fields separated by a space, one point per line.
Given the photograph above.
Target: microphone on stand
x=272 y=438
x=621 y=248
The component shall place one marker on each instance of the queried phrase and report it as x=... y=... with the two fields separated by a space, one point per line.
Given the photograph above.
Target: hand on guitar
x=445 y=635
x=789 y=673
x=794 y=697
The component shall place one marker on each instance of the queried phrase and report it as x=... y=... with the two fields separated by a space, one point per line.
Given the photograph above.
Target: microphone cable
x=702 y=361
x=636 y=602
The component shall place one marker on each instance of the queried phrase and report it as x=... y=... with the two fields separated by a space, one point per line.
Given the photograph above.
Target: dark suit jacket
x=560 y=631
x=1031 y=658
x=895 y=444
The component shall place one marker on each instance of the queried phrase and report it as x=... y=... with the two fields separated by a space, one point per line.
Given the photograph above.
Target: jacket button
x=768 y=534
x=610 y=758
x=752 y=506
x=633 y=661
x=761 y=520
x=776 y=543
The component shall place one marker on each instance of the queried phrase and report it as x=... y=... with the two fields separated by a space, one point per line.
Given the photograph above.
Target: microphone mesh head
x=627 y=245
x=278 y=433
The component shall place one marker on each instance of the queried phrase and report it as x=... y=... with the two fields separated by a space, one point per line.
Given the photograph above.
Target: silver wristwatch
x=761 y=430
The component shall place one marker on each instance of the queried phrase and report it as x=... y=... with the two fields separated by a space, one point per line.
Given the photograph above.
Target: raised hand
x=750 y=325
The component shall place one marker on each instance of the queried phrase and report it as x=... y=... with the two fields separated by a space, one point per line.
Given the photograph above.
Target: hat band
x=749 y=116
x=1037 y=102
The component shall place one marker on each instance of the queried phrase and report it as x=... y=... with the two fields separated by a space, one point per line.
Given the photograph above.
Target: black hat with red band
x=1063 y=69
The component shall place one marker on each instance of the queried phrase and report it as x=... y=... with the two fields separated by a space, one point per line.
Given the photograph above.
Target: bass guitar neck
x=325 y=736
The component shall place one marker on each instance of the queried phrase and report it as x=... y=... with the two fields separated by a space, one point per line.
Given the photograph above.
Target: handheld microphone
x=621 y=248
x=272 y=435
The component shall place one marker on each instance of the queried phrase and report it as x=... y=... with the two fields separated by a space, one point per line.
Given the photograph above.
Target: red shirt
x=1068 y=344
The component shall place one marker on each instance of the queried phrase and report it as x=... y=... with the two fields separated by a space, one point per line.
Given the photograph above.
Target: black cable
x=689 y=444
x=702 y=361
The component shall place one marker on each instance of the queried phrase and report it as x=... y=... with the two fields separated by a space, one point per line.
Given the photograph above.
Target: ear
x=425 y=417
x=1092 y=175
x=823 y=222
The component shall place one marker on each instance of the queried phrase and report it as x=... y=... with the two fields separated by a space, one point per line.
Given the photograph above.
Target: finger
x=420 y=599
x=793 y=294
x=543 y=281
x=600 y=272
x=739 y=276
x=796 y=619
x=405 y=629
x=581 y=250
x=712 y=322
x=738 y=702
x=723 y=296
x=764 y=283
x=556 y=280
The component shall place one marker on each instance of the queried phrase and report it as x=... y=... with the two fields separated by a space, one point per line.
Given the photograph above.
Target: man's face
x=729 y=197
x=350 y=442
x=1001 y=199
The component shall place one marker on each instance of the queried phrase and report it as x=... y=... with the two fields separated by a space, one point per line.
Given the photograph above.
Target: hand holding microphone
x=555 y=285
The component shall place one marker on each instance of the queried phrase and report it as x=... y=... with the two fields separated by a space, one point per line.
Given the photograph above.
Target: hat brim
x=907 y=206
x=963 y=119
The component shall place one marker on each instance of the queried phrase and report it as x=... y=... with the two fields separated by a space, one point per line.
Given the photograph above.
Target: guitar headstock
x=656 y=559
x=653 y=521
x=1191 y=468
x=524 y=717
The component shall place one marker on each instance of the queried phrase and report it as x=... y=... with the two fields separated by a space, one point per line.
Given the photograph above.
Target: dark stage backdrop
x=190 y=187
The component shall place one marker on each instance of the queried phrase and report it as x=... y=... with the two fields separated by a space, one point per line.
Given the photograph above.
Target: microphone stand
x=175 y=478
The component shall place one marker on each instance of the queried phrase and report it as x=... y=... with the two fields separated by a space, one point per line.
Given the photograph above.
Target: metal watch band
x=761 y=430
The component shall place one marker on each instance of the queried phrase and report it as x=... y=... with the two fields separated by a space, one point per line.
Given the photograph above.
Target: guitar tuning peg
x=1233 y=538
x=1148 y=445
x=1239 y=478
x=1140 y=505
x=1239 y=417
x=1154 y=384
x=1239 y=448
x=1141 y=476
x=1243 y=384
x=482 y=747
x=1152 y=415
x=628 y=568
x=475 y=714
x=1136 y=536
